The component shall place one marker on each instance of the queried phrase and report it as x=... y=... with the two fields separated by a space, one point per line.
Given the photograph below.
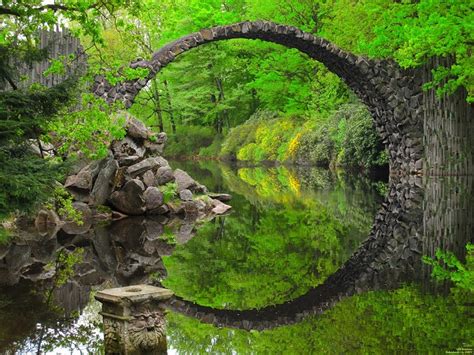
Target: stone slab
x=133 y=294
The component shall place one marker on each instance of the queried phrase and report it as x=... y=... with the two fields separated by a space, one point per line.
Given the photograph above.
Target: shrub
x=239 y=137
x=315 y=147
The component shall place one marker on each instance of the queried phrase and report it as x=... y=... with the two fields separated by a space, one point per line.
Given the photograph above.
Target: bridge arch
x=392 y=95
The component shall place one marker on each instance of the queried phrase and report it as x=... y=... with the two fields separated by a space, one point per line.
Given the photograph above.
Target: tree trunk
x=157 y=102
x=170 y=107
x=221 y=117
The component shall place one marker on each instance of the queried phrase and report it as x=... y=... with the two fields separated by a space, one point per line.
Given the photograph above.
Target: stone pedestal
x=134 y=321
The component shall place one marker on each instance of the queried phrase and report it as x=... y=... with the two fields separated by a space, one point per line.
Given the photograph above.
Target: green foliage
x=25 y=113
x=316 y=147
x=168 y=236
x=5 y=235
x=357 y=142
x=169 y=191
x=414 y=32
x=89 y=130
x=61 y=202
x=25 y=180
x=212 y=150
x=344 y=137
x=446 y=266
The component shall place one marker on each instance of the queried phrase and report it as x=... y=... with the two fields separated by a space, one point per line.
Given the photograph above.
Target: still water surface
x=272 y=277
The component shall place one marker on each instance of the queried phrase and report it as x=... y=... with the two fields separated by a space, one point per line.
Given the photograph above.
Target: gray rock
x=220 y=196
x=186 y=195
x=184 y=181
x=79 y=195
x=46 y=218
x=185 y=233
x=191 y=209
x=127 y=147
x=19 y=256
x=163 y=209
x=139 y=168
x=130 y=199
x=154 y=229
x=176 y=207
x=137 y=129
x=161 y=138
x=149 y=178
x=83 y=180
x=127 y=161
x=154 y=148
x=72 y=228
x=153 y=198
x=103 y=184
x=162 y=162
x=164 y=175
x=219 y=207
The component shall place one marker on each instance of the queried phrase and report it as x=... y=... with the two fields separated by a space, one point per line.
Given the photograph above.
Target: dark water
x=298 y=267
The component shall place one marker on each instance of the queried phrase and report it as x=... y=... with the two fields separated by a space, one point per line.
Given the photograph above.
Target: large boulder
x=139 y=168
x=103 y=184
x=153 y=198
x=128 y=160
x=164 y=175
x=129 y=199
x=82 y=180
x=158 y=144
x=184 y=181
x=136 y=129
x=149 y=178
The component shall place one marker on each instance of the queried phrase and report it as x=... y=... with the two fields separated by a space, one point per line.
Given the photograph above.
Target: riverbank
x=344 y=138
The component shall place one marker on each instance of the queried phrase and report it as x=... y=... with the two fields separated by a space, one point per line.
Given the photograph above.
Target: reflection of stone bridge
x=403 y=115
x=412 y=222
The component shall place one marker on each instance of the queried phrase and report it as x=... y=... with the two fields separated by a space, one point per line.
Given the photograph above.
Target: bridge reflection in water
x=417 y=217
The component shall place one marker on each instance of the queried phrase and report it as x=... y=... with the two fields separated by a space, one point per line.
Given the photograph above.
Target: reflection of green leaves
x=406 y=320
x=260 y=255
x=168 y=236
x=446 y=266
x=64 y=265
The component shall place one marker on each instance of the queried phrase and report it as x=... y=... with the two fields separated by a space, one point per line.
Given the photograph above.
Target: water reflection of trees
x=283 y=239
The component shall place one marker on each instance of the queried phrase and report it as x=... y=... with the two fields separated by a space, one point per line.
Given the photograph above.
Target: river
x=298 y=267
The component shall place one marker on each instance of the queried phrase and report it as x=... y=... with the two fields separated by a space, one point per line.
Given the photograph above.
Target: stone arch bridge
x=392 y=95
x=424 y=134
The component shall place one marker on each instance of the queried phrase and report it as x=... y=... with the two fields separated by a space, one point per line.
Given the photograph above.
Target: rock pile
x=134 y=179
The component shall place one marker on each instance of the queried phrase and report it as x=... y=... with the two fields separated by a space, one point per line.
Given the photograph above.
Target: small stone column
x=134 y=321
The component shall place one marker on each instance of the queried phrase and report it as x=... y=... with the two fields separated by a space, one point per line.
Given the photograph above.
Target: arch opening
x=392 y=95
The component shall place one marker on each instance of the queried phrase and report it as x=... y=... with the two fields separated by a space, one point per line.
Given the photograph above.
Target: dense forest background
x=241 y=100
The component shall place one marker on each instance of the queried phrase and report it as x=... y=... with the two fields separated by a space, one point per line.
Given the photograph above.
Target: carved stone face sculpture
x=143 y=333
x=146 y=330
